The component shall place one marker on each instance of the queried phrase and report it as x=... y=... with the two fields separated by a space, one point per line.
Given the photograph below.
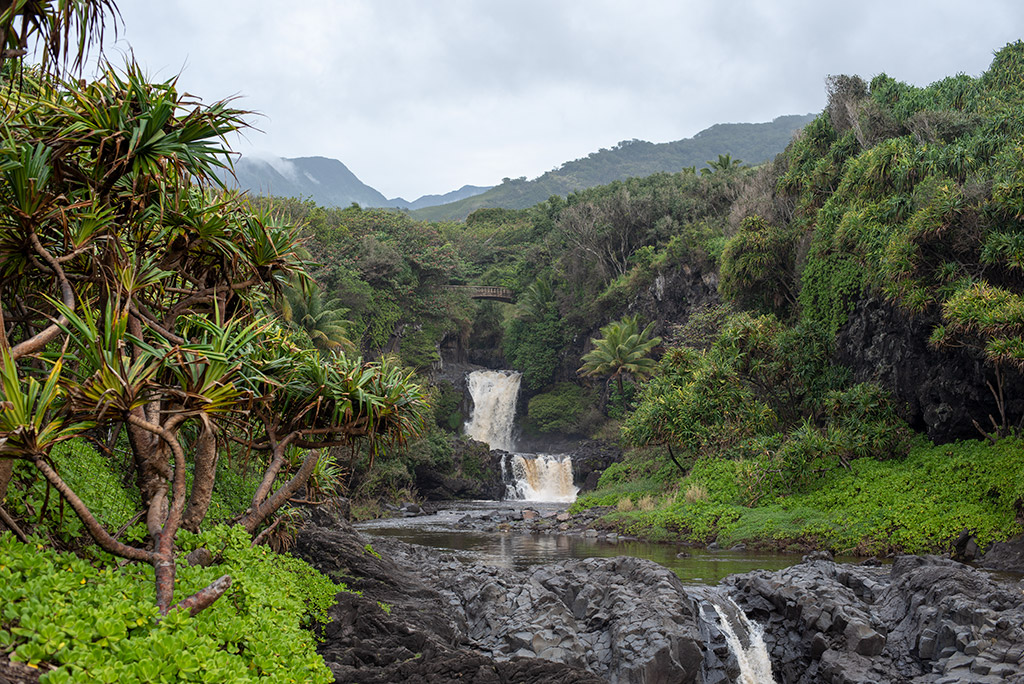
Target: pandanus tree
x=129 y=300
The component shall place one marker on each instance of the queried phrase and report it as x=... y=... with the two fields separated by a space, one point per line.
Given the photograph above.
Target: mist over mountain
x=328 y=182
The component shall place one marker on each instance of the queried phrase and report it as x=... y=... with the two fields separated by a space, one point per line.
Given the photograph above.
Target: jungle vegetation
x=138 y=335
x=176 y=356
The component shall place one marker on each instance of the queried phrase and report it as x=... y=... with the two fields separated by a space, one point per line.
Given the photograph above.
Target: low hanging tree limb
x=99 y=534
x=12 y=526
x=205 y=597
x=673 y=457
x=38 y=341
x=258 y=513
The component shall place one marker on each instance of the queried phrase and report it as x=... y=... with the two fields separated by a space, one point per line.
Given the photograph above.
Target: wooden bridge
x=502 y=294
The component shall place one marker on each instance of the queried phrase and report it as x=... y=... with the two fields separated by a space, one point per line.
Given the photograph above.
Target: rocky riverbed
x=424 y=616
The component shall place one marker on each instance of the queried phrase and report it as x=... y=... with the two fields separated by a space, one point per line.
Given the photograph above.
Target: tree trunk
x=6 y=472
x=257 y=514
x=144 y=445
x=203 y=475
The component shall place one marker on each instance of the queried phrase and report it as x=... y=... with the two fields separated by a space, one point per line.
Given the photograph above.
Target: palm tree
x=622 y=350
x=725 y=162
x=140 y=287
x=324 y=321
x=536 y=299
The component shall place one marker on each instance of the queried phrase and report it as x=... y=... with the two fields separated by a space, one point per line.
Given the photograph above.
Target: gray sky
x=424 y=96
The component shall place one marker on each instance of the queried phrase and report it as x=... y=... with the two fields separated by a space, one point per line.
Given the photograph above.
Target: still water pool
x=447 y=530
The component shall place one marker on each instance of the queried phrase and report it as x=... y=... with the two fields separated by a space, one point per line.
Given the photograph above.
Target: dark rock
x=922 y=619
x=12 y=672
x=334 y=511
x=201 y=557
x=1007 y=556
x=590 y=459
x=939 y=391
x=821 y=554
x=860 y=638
x=455 y=481
x=965 y=548
x=858 y=623
x=419 y=638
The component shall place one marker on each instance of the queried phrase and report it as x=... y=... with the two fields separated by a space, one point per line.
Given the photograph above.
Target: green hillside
x=751 y=143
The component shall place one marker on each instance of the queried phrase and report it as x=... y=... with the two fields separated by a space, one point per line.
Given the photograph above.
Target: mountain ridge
x=752 y=143
x=330 y=183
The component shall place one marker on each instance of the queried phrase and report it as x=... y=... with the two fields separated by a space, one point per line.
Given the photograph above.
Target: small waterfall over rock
x=755 y=664
x=531 y=477
x=735 y=645
x=494 y=407
x=542 y=477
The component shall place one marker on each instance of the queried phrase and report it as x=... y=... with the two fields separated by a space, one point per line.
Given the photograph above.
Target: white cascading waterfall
x=531 y=477
x=542 y=477
x=754 y=661
x=494 y=407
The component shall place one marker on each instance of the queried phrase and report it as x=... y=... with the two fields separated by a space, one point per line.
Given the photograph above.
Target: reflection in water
x=521 y=550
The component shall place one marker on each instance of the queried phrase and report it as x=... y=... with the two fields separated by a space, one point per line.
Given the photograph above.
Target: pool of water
x=522 y=549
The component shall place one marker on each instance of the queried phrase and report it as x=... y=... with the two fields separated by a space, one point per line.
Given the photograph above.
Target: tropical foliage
x=130 y=301
x=622 y=349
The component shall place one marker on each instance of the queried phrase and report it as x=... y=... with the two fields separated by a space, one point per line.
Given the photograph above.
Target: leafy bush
x=865 y=509
x=559 y=409
x=98 y=477
x=110 y=631
x=534 y=347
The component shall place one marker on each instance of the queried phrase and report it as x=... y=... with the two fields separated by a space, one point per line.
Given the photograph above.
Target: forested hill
x=752 y=143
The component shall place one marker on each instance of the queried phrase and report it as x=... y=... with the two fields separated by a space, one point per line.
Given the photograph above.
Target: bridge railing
x=503 y=294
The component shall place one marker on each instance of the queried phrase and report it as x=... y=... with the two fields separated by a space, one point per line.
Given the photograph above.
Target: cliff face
x=940 y=392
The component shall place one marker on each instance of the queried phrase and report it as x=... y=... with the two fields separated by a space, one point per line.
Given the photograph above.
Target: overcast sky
x=424 y=96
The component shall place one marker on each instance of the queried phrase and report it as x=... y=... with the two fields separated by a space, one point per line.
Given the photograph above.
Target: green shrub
x=916 y=504
x=559 y=409
x=96 y=477
x=99 y=623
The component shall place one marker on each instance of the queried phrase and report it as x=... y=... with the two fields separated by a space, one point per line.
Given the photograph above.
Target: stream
x=451 y=530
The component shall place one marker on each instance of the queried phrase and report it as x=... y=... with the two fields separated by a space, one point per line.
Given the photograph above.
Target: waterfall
x=542 y=477
x=754 y=662
x=532 y=477
x=494 y=407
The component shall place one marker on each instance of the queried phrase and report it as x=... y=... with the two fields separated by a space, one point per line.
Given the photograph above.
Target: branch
x=673 y=457
x=145 y=315
x=256 y=515
x=178 y=486
x=204 y=598
x=41 y=339
x=96 y=530
x=265 y=533
x=273 y=469
x=12 y=526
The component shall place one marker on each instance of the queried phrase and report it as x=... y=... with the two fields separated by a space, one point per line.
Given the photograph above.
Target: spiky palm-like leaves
x=622 y=349
x=65 y=29
x=142 y=287
x=323 y=320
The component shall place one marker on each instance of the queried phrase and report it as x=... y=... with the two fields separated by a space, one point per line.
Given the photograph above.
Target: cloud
x=422 y=97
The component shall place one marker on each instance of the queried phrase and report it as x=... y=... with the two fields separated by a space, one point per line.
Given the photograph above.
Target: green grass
x=918 y=504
